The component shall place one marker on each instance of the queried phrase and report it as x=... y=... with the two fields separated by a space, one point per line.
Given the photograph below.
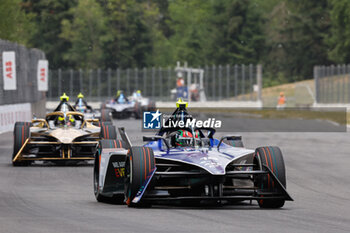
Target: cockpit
x=65 y=119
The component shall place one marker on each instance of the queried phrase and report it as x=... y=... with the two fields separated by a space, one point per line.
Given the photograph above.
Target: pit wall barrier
x=10 y=114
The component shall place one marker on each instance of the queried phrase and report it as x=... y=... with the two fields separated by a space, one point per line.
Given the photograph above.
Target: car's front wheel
x=108 y=131
x=21 y=133
x=272 y=158
x=139 y=165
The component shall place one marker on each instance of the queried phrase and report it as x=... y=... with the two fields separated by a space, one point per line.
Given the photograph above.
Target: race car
x=190 y=166
x=60 y=137
x=145 y=104
x=82 y=106
x=125 y=107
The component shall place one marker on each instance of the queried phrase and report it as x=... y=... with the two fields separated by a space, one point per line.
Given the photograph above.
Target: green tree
x=164 y=17
x=15 y=24
x=86 y=33
x=339 y=38
x=237 y=34
x=48 y=15
x=161 y=26
x=189 y=24
x=274 y=53
x=130 y=39
x=303 y=38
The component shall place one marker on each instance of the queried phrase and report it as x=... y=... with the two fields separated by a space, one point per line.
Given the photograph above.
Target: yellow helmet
x=80 y=96
x=118 y=93
x=71 y=118
x=64 y=97
x=181 y=103
x=138 y=91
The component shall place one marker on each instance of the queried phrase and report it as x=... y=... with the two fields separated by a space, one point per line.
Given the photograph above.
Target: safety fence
x=332 y=84
x=219 y=82
x=26 y=65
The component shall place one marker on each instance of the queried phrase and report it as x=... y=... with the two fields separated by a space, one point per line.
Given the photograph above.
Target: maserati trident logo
x=152 y=120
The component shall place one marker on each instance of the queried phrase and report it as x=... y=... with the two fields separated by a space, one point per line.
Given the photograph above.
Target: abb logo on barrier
x=43 y=67
x=9 y=70
x=42 y=74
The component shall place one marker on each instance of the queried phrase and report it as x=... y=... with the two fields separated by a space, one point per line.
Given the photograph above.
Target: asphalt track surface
x=60 y=199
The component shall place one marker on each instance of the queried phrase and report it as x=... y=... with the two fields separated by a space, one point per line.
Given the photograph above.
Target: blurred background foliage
x=288 y=37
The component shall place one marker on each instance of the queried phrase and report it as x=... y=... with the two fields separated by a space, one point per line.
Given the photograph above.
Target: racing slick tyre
x=106 y=115
x=99 y=123
x=116 y=199
x=23 y=123
x=138 y=110
x=151 y=106
x=139 y=164
x=21 y=133
x=108 y=131
x=272 y=158
x=234 y=143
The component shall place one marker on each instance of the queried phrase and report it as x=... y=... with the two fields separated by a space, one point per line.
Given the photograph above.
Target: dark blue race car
x=190 y=166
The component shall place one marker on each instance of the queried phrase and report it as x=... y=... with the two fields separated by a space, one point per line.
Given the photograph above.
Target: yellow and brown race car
x=60 y=137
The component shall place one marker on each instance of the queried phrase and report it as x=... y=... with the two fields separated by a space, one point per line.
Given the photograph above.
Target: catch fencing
x=332 y=84
x=26 y=69
x=229 y=82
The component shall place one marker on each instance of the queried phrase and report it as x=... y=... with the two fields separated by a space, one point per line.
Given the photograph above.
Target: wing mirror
x=230 y=138
x=156 y=138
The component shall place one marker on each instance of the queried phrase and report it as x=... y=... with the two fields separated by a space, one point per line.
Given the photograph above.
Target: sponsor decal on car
x=119 y=169
x=119 y=172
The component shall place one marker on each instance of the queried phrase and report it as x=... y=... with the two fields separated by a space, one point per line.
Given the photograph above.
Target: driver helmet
x=118 y=93
x=184 y=138
x=65 y=120
x=70 y=120
x=60 y=120
x=121 y=99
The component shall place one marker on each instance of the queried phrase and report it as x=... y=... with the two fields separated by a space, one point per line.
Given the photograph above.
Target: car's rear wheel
x=117 y=199
x=106 y=115
x=18 y=123
x=21 y=133
x=272 y=158
x=138 y=110
x=139 y=164
x=99 y=123
x=108 y=131
x=151 y=106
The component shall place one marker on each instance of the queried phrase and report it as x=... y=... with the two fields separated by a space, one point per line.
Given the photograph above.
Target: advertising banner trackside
x=43 y=69
x=10 y=114
x=9 y=70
